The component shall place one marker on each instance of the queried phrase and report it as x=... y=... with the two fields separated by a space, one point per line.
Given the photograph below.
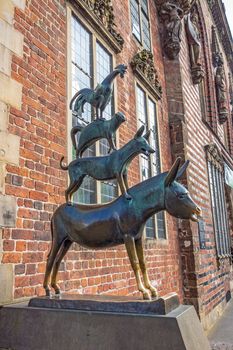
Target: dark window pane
x=135 y=19
x=81 y=78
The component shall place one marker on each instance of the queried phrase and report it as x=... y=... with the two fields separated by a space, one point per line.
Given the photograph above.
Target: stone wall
x=205 y=277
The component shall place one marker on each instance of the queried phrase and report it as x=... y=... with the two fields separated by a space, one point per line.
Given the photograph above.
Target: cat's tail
x=74 y=131
x=64 y=167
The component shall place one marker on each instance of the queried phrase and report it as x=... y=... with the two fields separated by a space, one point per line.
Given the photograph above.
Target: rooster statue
x=99 y=97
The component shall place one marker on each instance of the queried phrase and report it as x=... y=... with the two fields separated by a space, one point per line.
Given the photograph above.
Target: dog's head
x=141 y=142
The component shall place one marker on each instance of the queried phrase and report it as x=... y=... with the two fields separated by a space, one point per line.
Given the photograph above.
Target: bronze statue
x=119 y=222
x=193 y=36
x=98 y=129
x=171 y=14
x=112 y=166
x=100 y=96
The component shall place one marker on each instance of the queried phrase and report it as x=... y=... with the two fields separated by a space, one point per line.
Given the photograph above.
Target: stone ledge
x=160 y=306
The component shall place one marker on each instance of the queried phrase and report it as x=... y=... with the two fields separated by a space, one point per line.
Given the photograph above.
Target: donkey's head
x=121 y=68
x=141 y=144
x=177 y=199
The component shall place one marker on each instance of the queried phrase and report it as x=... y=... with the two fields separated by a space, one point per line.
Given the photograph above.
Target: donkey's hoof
x=154 y=293
x=47 y=292
x=127 y=196
x=146 y=295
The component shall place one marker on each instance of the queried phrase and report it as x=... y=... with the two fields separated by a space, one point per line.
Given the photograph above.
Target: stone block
x=9 y=148
x=19 y=3
x=6 y=290
x=7 y=10
x=2 y=176
x=5 y=63
x=10 y=91
x=27 y=328
x=4 y=111
x=11 y=38
x=7 y=211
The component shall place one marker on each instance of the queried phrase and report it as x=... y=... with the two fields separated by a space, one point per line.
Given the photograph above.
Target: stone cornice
x=217 y=9
x=185 y=5
x=143 y=67
x=99 y=14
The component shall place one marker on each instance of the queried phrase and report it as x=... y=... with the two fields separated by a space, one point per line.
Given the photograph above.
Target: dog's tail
x=64 y=167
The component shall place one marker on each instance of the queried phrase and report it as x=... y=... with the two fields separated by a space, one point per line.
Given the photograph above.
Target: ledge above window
x=101 y=18
x=143 y=67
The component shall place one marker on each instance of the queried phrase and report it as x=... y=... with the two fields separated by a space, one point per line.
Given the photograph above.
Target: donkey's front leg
x=132 y=254
x=140 y=254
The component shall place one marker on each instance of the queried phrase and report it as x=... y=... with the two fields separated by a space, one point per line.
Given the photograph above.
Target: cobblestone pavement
x=221 y=335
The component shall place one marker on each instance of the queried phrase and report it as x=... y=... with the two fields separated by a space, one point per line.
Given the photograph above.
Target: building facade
x=178 y=85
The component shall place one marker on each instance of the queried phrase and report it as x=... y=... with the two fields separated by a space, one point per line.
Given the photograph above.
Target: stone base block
x=105 y=303
x=27 y=328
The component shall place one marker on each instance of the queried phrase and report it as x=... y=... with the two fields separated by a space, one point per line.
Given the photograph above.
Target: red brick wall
x=39 y=184
x=205 y=278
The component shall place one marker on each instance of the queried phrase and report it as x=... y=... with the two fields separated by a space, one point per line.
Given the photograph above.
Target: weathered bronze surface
x=112 y=166
x=109 y=303
x=98 y=129
x=118 y=222
x=100 y=96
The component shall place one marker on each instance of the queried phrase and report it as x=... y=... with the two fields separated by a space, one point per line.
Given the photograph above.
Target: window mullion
x=224 y=208
x=215 y=210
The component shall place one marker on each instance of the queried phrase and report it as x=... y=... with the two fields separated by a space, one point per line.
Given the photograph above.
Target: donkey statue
x=121 y=221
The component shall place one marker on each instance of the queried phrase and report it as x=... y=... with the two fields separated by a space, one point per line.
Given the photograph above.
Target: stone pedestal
x=52 y=326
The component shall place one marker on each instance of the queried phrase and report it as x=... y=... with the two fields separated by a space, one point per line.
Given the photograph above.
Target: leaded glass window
x=146 y=113
x=218 y=202
x=140 y=22
x=91 y=63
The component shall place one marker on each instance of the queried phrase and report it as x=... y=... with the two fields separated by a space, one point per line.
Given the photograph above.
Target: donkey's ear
x=171 y=176
x=139 y=132
x=182 y=169
x=147 y=135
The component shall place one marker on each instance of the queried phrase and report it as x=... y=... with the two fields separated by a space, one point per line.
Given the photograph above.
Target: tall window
x=91 y=62
x=146 y=112
x=140 y=22
x=218 y=202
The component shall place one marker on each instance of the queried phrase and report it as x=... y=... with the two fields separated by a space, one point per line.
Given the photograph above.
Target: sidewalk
x=221 y=335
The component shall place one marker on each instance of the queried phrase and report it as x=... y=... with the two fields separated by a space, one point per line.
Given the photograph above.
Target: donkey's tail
x=64 y=167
